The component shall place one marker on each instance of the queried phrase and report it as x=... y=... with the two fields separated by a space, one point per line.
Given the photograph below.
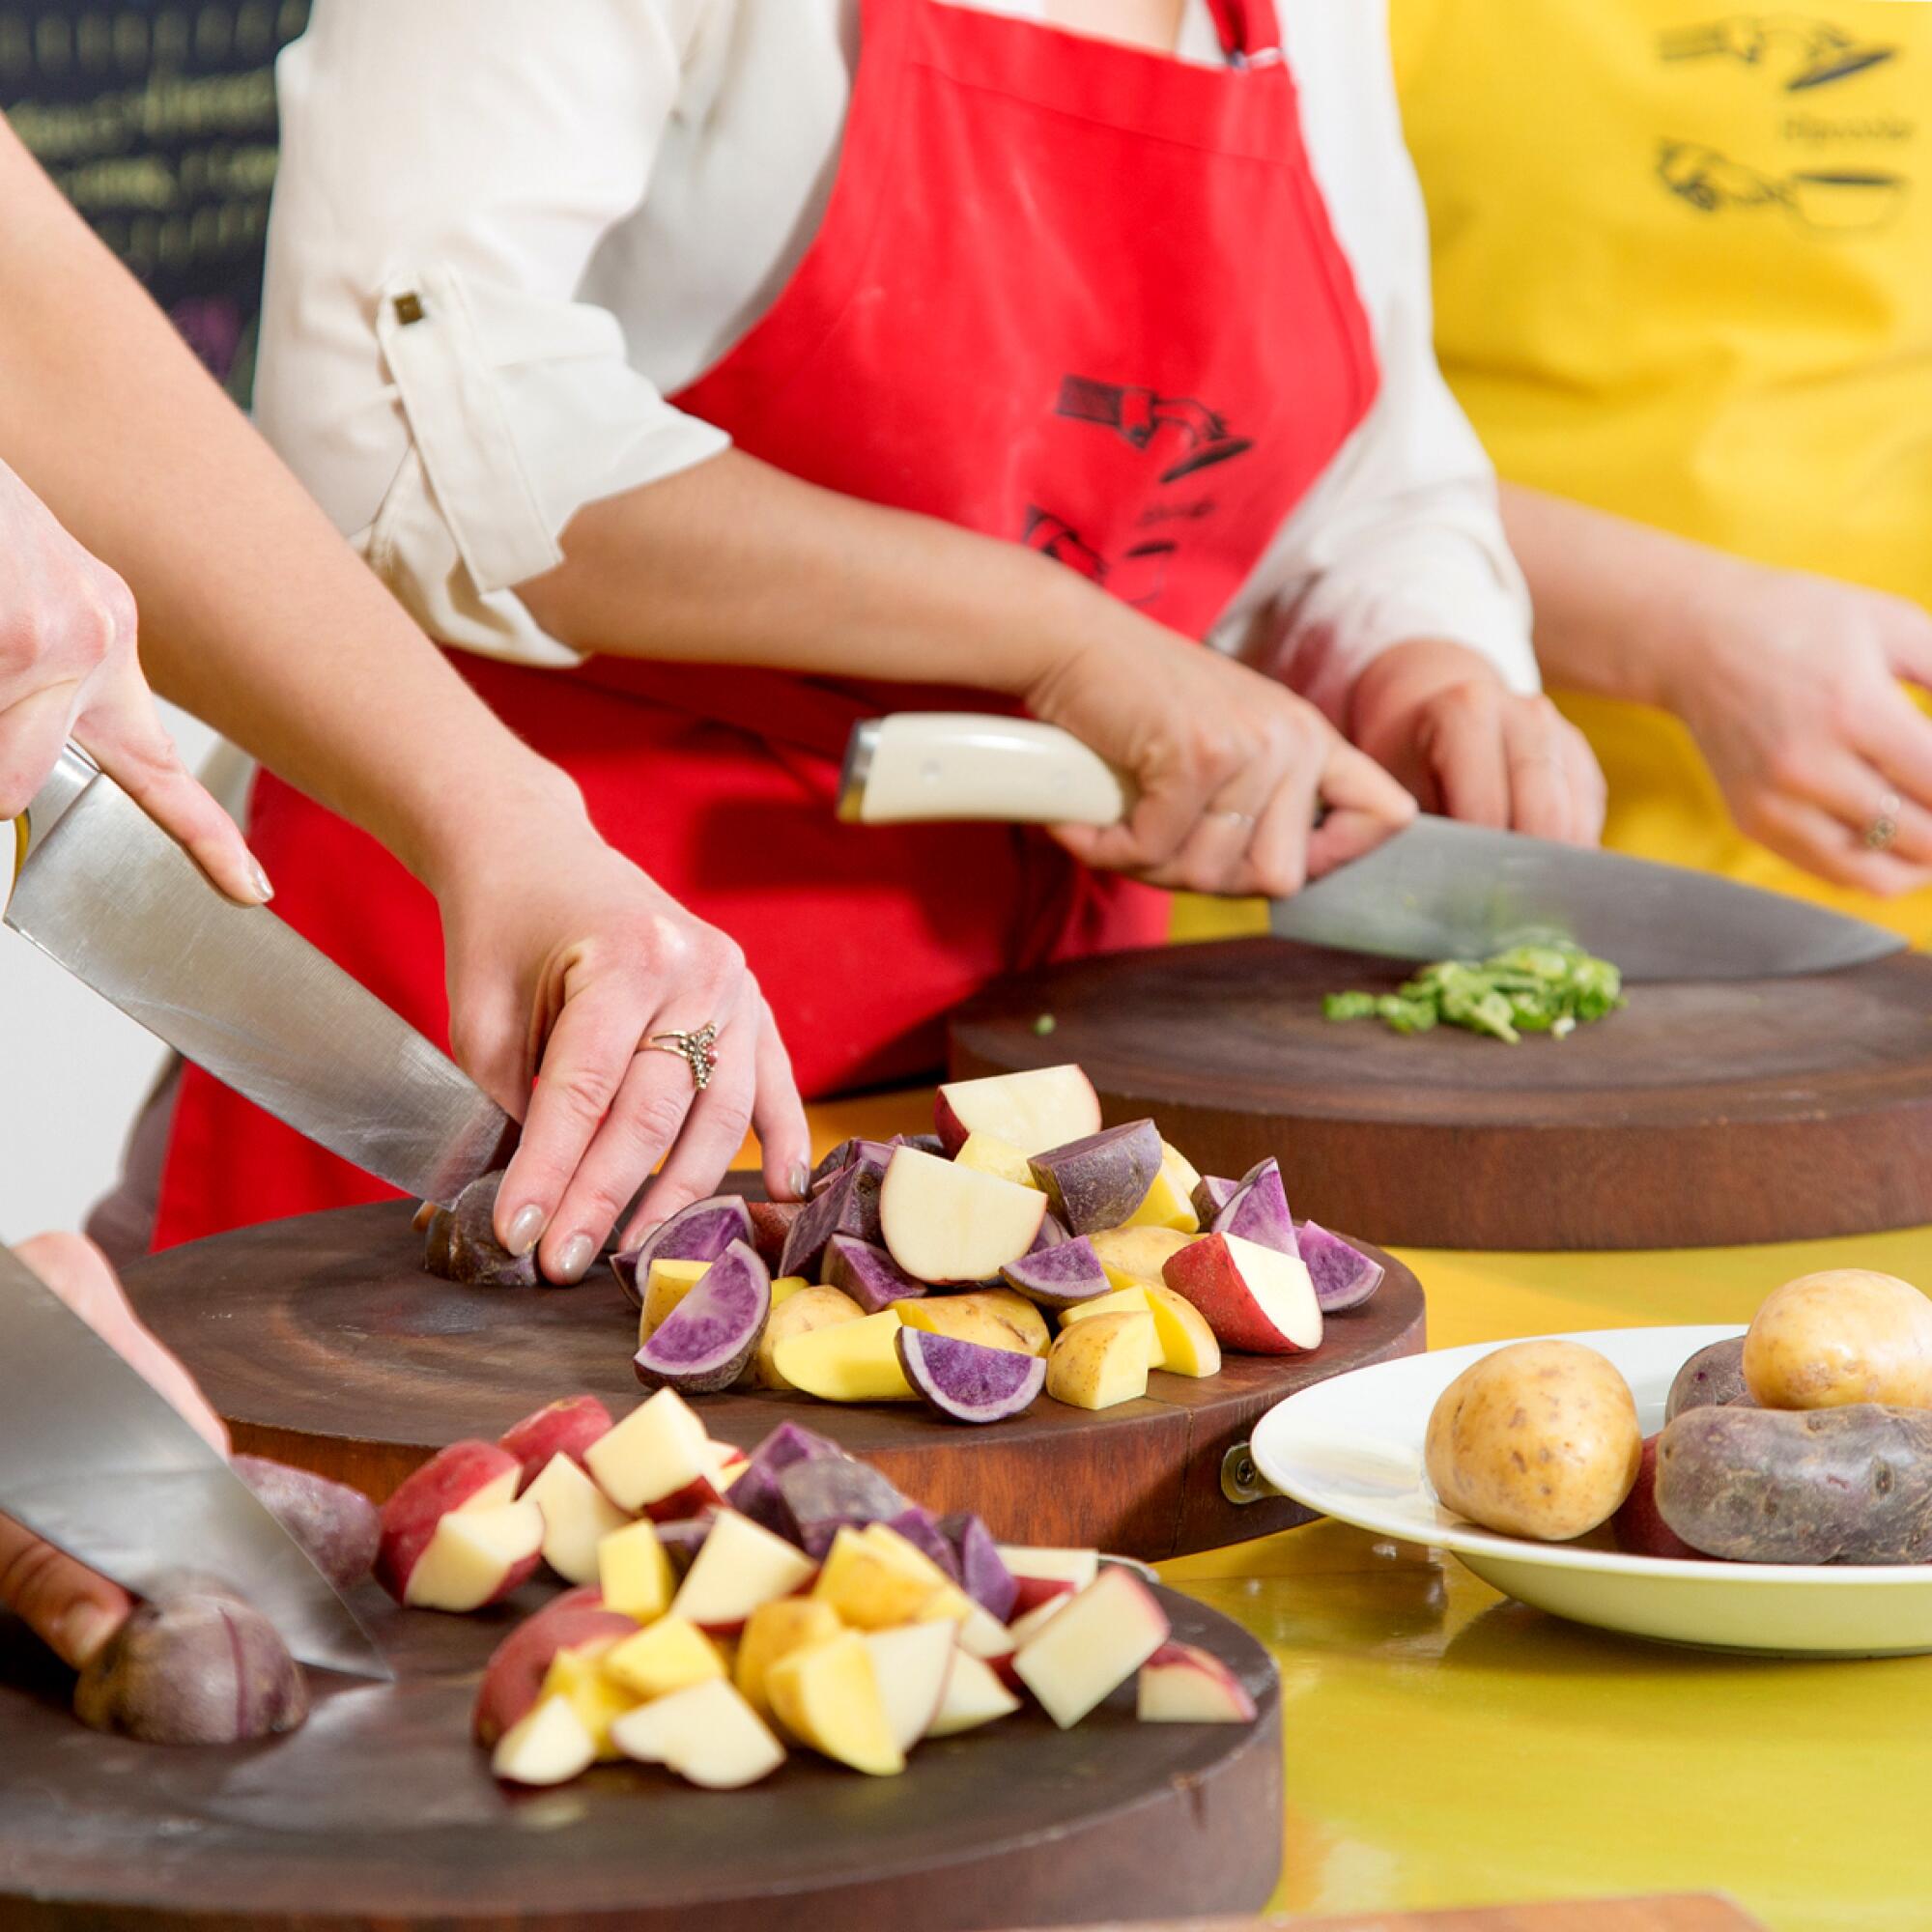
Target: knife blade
x=1437 y=889
x=99 y=888
x=102 y=1466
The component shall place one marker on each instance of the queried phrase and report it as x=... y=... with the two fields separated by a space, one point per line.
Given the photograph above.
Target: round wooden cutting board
x=379 y=1813
x=1715 y=1113
x=323 y=1342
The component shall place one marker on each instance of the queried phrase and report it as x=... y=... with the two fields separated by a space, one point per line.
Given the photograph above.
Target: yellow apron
x=1684 y=272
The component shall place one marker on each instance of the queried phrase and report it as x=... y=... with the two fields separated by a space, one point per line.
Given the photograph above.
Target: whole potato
x=193 y=1666
x=1538 y=1440
x=339 y=1527
x=1710 y=1379
x=1845 y=1335
x=1844 y=1485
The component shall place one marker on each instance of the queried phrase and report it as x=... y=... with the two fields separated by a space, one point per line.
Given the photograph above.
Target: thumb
x=1908 y=644
x=70 y=1609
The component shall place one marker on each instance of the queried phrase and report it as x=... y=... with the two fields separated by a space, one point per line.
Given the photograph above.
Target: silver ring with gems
x=697 y=1050
x=1235 y=817
x=1883 y=829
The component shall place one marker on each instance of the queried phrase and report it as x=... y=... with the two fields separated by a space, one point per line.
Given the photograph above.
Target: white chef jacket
x=599 y=197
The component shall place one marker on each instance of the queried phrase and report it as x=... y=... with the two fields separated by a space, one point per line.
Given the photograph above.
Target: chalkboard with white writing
x=156 y=118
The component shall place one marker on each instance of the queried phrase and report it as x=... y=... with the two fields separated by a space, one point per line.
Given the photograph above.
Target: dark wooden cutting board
x=323 y=1342
x=379 y=1813
x=1701 y=1115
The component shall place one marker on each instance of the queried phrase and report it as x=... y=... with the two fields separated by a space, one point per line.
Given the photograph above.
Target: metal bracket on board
x=1241 y=1481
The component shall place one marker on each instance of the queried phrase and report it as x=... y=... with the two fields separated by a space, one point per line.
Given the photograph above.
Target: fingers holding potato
x=1538 y=1440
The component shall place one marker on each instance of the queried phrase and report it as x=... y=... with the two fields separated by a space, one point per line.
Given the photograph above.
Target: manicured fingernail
x=83 y=1631
x=579 y=1252
x=527 y=1228
x=799 y=1180
x=263 y=891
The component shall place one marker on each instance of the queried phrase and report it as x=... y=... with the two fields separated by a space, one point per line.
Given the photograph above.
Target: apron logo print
x=1138 y=415
x=1137 y=577
x=1838 y=201
x=1819 y=52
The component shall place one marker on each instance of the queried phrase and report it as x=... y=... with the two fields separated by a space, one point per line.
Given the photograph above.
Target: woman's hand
x=69 y=1607
x=69 y=669
x=564 y=959
x=1437 y=717
x=1791 y=686
x=1231 y=767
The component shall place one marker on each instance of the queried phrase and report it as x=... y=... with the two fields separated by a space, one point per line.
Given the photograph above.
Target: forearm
x=253 y=612
x=734 y=561
x=1619 y=606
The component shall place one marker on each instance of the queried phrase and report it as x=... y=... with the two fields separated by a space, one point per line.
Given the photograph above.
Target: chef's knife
x=101 y=889
x=103 y=1467
x=1435 y=891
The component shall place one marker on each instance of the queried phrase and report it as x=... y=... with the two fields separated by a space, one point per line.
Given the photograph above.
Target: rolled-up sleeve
x=1401 y=537
x=449 y=169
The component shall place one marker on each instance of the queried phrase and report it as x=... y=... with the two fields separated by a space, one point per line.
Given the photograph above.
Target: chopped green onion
x=1524 y=989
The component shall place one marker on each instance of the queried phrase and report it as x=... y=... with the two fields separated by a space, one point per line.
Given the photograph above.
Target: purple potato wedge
x=437 y=1232
x=193 y=1666
x=848 y=1153
x=924 y=1143
x=865 y=1272
x=1052 y=1233
x=920 y=1528
x=699 y=1233
x=770 y=1222
x=846 y=1205
x=1259 y=1212
x=983 y=1571
x=756 y=1491
x=967 y=1382
x=1061 y=1277
x=339 y=1527
x=1212 y=1193
x=1343 y=1276
x=683 y=1539
x=830 y=1493
x=470 y=1249
x=705 y=1343
x=1098 y=1181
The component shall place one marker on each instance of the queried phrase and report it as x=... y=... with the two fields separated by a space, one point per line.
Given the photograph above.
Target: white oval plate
x=1352 y=1449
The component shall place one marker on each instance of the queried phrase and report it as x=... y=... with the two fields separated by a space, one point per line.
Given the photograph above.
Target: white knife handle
x=919 y=766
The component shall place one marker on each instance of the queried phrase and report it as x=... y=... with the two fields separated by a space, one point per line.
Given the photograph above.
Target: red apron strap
x=1248 y=29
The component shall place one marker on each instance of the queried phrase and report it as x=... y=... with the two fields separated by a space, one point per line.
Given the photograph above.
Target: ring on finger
x=697 y=1050
x=1245 y=819
x=1884 y=828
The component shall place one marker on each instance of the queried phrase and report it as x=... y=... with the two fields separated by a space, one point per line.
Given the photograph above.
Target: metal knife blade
x=1445 y=891
x=102 y=889
x=101 y=1465
x=1438 y=891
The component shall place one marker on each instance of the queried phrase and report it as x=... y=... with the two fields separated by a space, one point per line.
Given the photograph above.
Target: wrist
x=466 y=826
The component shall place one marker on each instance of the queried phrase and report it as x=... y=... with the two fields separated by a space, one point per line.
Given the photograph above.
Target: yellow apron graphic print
x=1683 y=264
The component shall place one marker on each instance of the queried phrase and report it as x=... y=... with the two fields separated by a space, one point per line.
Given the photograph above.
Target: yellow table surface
x=1446 y=1746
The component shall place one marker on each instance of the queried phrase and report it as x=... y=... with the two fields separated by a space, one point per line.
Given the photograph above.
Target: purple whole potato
x=830 y=1493
x=867 y=1273
x=920 y=1528
x=756 y=1492
x=337 y=1526
x=699 y=1233
x=1098 y=1181
x=1058 y=1278
x=464 y=1247
x=983 y=1571
x=1850 y=1485
x=709 y=1339
x=1212 y=1193
x=849 y=1203
x=1712 y=1378
x=965 y=1381
x=194 y=1665
x=1258 y=1211
x=1343 y=1276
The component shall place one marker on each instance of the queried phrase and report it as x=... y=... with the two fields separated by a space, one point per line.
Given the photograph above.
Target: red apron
x=1066 y=293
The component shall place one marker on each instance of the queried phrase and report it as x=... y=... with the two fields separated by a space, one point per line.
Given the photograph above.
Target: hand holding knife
x=1436 y=889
